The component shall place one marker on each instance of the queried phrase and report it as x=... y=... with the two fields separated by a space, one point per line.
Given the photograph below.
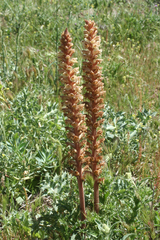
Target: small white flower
x=106 y=228
x=129 y=175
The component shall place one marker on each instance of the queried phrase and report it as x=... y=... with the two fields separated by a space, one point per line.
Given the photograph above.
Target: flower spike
x=94 y=94
x=72 y=108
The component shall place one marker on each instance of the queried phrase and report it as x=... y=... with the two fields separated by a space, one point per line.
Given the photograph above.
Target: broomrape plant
x=72 y=107
x=94 y=92
x=84 y=139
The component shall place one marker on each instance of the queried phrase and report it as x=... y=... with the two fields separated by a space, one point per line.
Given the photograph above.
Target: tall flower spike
x=72 y=108
x=94 y=94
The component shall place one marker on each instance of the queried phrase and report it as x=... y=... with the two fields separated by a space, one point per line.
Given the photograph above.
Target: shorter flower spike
x=72 y=108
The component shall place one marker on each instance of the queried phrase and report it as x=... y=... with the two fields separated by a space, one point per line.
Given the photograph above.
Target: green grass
x=38 y=198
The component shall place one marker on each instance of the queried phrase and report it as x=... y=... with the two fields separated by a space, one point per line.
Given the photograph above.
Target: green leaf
x=19 y=200
x=73 y=237
x=92 y=234
x=126 y=236
x=110 y=135
x=110 y=127
x=133 y=134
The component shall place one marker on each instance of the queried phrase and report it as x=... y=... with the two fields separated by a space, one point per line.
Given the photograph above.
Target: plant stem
x=96 y=195
x=3 y=56
x=82 y=199
x=57 y=35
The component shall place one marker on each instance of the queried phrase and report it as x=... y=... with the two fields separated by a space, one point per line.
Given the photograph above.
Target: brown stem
x=96 y=195
x=82 y=199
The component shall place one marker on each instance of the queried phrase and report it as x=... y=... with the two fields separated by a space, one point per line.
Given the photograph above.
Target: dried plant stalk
x=94 y=95
x=72 y=108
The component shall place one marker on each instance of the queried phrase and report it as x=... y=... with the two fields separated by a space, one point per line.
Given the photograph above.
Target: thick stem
x=80 y=182
x=96 y=189
x=94 y=167
x=96 y=195
x=82 y=199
